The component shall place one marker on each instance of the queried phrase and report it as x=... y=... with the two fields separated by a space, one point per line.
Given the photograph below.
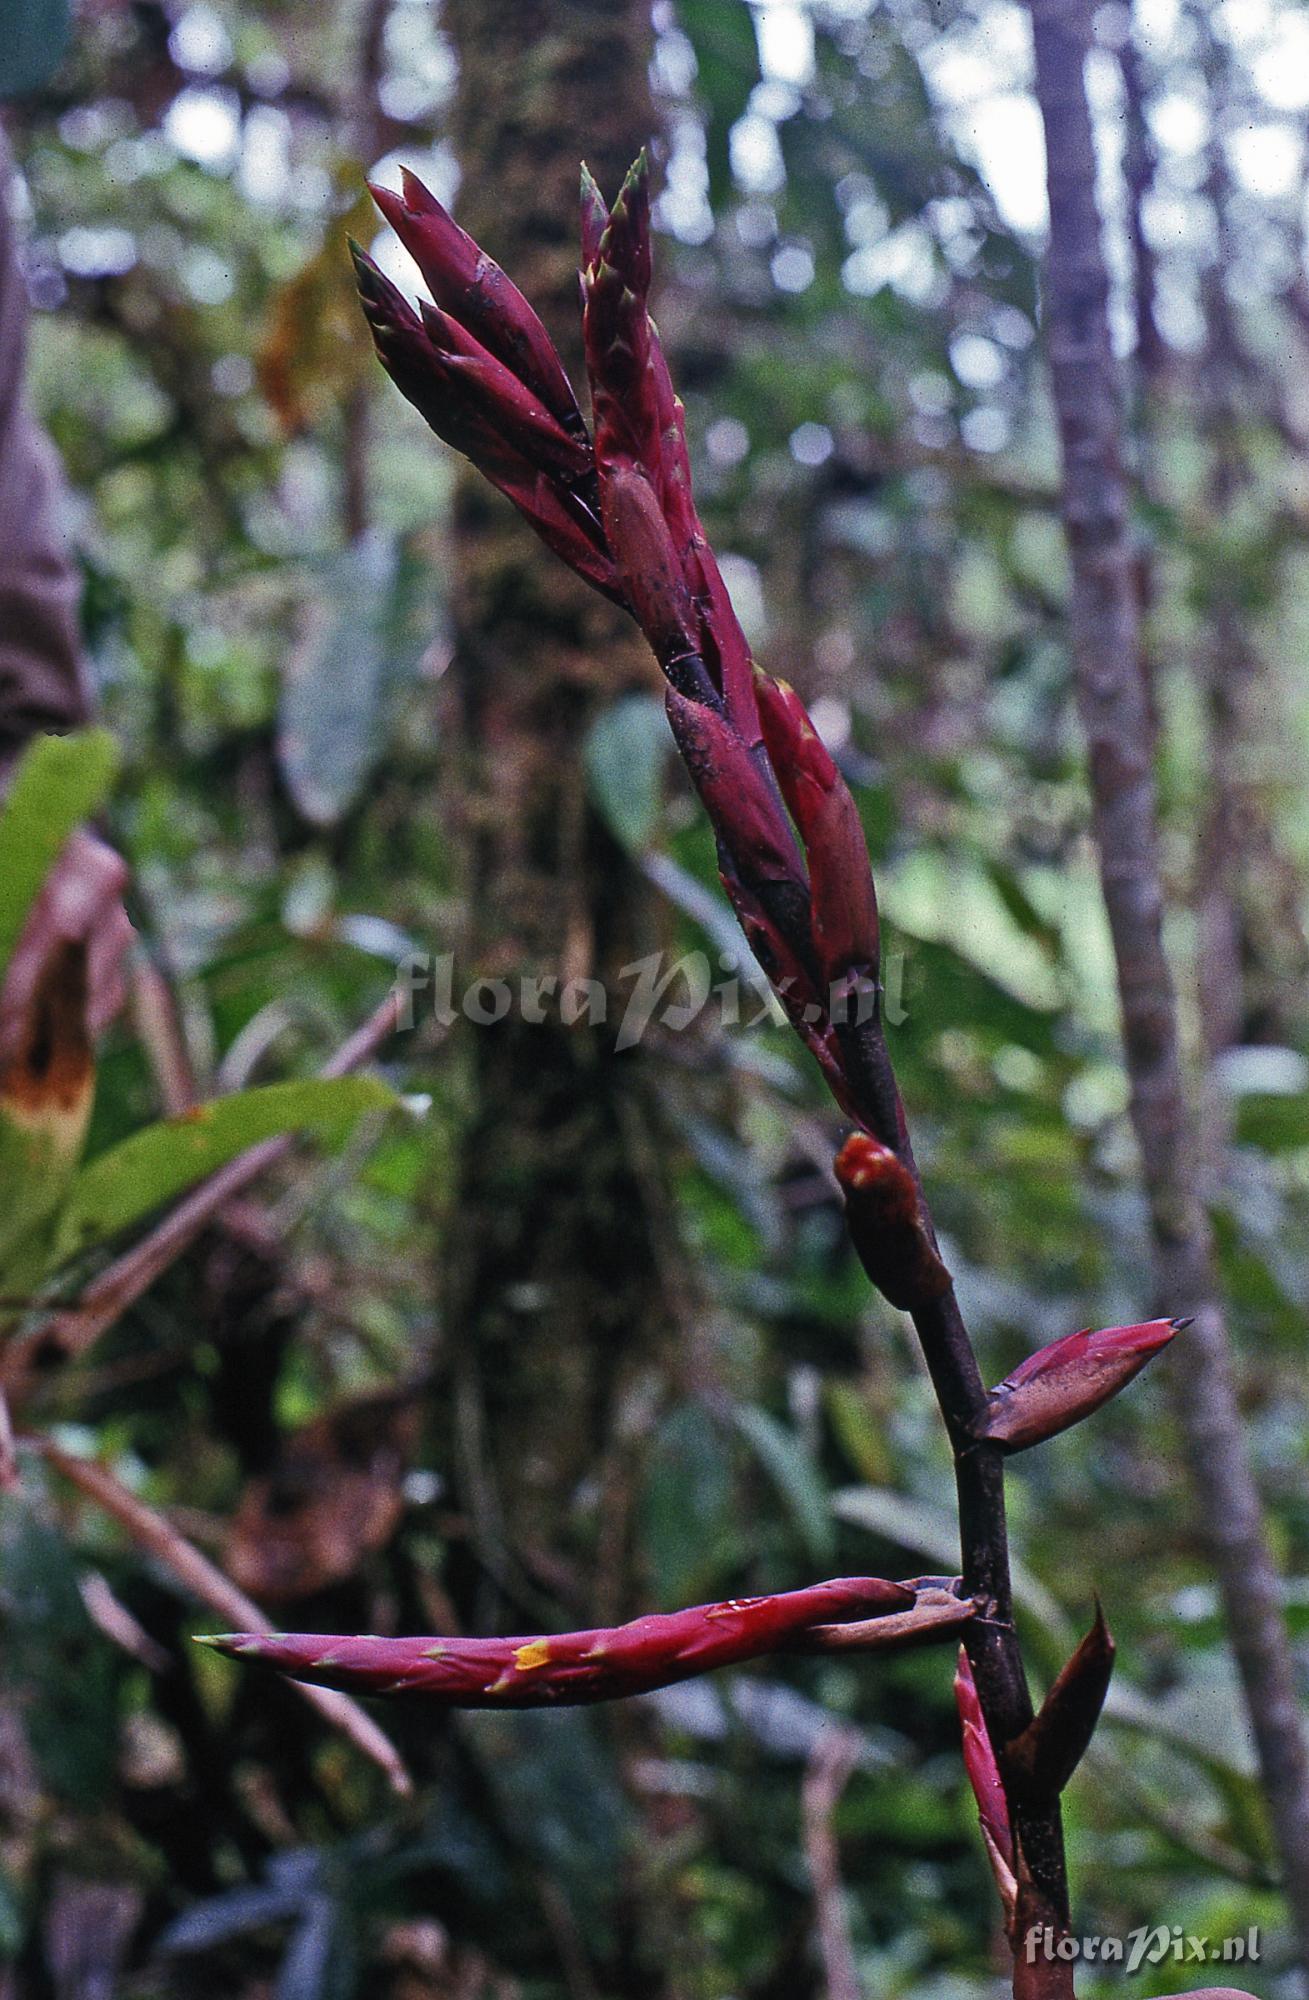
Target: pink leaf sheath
x=1066 y=1381
x=983 y=1772
x=567 y=1668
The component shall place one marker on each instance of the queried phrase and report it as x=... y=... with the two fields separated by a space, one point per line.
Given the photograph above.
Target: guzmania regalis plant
x=615 y=503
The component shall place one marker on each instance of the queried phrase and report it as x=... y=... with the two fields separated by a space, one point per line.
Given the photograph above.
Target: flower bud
x=647 y=562
x=1062 y=1383
x=845 y=922
x=743 y=808
x=883 y=1210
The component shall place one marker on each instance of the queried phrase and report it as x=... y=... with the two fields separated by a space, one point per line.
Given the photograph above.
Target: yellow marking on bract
x=535 y=1654
x=436 y=1652
x=500 y=1685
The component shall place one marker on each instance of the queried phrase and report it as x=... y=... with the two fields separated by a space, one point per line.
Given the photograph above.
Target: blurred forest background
x=584 y=1336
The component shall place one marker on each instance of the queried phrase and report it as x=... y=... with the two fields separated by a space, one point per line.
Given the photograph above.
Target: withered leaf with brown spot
x=46 y=1091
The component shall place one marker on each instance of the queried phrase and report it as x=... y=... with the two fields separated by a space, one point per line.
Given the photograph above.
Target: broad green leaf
x=727 y=60
x=956 y=903
x=59 y=1671
x=59 y=782
x=795 y=1476
x=119 y=1187
x=626 y=752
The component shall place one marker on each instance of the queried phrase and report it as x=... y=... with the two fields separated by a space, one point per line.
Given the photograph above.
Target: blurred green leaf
x=795 y=1475
x=120 y=1187
x=60 y=781
x=626 y=753
x=727 y=61
x=368 y=624
x=59 y=1672
x=688 y=1478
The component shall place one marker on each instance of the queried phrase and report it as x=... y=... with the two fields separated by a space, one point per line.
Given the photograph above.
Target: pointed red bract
x=459 y=405
x=1064 y=1382
x=481 y=369
x=568 y=1668
x=594 y=217
x=647 y=563
x=1043 y=1758
x=472 y=288
x=507 y=405
x=743 y=806
x=845 y=926
x=638 y=422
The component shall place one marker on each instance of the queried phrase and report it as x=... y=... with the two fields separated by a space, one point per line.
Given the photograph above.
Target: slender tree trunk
x=1111 y=697
x=551 y=1291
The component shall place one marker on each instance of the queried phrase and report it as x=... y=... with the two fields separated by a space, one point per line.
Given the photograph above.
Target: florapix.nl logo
x=671 y=992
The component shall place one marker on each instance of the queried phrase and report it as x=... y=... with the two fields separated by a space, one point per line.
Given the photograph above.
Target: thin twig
x=151 y=1531
x=1112 y=700
x=835 y=1757
x=155 y=1018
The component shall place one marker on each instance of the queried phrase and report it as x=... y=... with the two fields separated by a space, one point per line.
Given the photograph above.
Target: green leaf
x=727 y=61
x=37 y=1162
x=367 y=632
x=119 y=1187
x=58 y=1670
x=795 y=1476
x=625 y=754
x=60 y=781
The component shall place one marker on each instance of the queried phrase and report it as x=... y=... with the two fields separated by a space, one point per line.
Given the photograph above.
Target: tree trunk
x=551 y=1291
x=1111 y=697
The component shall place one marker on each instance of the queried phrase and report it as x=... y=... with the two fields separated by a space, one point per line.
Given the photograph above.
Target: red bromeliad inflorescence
x=615 y=502
x=620 y=511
